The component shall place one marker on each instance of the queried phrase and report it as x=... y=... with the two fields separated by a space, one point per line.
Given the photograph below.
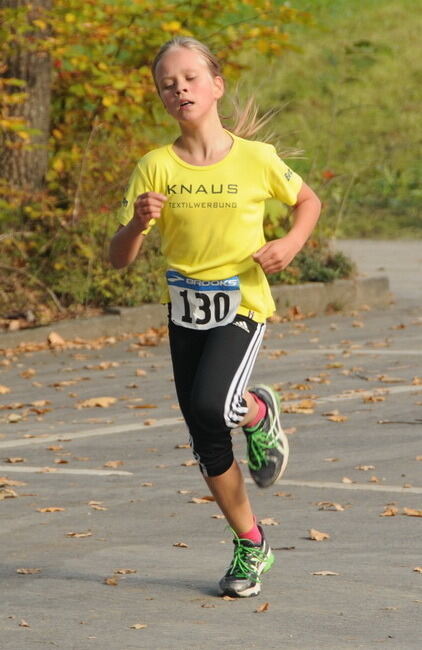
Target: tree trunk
x=25 y=166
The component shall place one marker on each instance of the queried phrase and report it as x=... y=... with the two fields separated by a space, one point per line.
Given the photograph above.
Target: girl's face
x=186 y=86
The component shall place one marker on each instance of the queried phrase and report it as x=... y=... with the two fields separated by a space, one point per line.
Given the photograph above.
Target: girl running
x=206 y=192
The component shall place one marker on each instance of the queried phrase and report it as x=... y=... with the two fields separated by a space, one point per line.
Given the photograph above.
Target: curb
x=313 y=297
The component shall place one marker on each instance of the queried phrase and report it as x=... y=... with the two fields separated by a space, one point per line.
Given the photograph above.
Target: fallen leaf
x=418 y=458
x=27 y=374
x=55 y=339
x=140 y=373
x=332 y=460
x=319 y=379
x=7 y=493
x=51 y=509
x=10 y=482
x=183 y=445
x=373 y=398
x=347 y=480
x=290 y=431
x=317 y=535
x=365 y=468
x=330 y=505
x=86 y=533
x=390 y=380
x=389 y=511
x=228 y=598
x=411 y=512
x=337 y=418
x=142 y=406
x=304 y=407
x=190 y=463
x=325 y=573
x=23 y=623
x=60 y=461
x=104 y=365
x=282 y=494
x=147 y=484
x=181 y=545
x=103 y=402
x=149 y=422
x=113 y=463
x=374 y=479
x=418 y=569
x=4 y=390
x=14 y=417
x=55 y=448
x=262 y=608
x=417 y=381
x=205 y=499
x=218 y=516
x=15 y=459
x=184 y=491
x=28 y=571
x=125 y=571
x=269 y=521
x=112 y=582
x=207 y=605
x=138 y=626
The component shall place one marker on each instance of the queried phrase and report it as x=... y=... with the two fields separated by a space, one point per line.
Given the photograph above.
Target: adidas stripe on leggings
x=211 y=371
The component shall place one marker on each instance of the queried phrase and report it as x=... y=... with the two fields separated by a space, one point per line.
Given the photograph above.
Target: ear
x=219 y=86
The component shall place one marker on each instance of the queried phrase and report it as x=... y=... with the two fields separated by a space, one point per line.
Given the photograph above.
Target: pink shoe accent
x=262 y=411
x=253 y=534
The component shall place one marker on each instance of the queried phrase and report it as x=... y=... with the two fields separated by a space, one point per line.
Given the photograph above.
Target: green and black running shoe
x=249 y=561
x=268 y=447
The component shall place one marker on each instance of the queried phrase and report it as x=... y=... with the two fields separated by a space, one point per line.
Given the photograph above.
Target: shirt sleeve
x=284 y=183
x=138 y=184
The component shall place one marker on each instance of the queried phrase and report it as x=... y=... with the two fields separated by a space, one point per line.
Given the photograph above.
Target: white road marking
x=7 y=469
x=377 y=390
x=348 y=350
x=172 y=422
x=368 y=487
x=101 y=431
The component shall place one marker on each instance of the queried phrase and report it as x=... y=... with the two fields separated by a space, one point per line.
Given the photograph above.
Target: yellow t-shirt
x=212 y=221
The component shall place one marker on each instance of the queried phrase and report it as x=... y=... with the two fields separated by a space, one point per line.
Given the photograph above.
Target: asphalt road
x=118 y=475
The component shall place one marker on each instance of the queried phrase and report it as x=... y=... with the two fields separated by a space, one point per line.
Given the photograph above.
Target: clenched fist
x=146 y=207
x=276 y=255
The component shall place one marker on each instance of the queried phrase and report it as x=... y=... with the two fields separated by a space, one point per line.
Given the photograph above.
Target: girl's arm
x=276 y=255
x=127 y=241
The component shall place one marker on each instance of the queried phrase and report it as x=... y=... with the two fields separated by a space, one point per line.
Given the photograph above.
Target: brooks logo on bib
x=202 y=304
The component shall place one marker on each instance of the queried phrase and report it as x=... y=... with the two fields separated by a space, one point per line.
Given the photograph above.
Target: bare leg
x=230 y=494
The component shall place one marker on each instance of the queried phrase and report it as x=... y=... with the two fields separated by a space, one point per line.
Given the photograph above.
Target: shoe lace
x=258 y=442
x=244 y=560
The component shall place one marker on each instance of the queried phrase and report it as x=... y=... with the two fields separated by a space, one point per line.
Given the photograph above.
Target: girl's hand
x=276 y=255
x=146 y=207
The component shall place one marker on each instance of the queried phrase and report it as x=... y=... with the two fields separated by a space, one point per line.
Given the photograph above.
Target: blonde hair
x=245 y=120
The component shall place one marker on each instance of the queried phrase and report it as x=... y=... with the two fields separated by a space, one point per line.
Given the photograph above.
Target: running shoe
x=242 y=578
x=268 y=447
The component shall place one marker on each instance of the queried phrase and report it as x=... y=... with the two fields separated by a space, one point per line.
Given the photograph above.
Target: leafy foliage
x=352 y=100
x=104 y=116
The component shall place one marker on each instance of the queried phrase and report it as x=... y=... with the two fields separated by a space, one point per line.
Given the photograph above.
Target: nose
x=179 y=90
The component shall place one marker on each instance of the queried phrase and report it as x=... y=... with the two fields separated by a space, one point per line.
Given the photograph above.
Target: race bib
x=202 y=304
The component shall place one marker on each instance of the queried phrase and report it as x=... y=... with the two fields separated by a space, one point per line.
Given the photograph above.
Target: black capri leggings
x=211 y=370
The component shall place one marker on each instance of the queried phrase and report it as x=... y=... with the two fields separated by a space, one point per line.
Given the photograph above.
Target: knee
x=208 y=413
x=214 y=456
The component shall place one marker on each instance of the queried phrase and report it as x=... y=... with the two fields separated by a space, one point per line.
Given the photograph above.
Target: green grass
x=351 y=100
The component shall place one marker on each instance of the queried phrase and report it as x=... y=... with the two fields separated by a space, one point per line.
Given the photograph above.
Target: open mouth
x=185 y=103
